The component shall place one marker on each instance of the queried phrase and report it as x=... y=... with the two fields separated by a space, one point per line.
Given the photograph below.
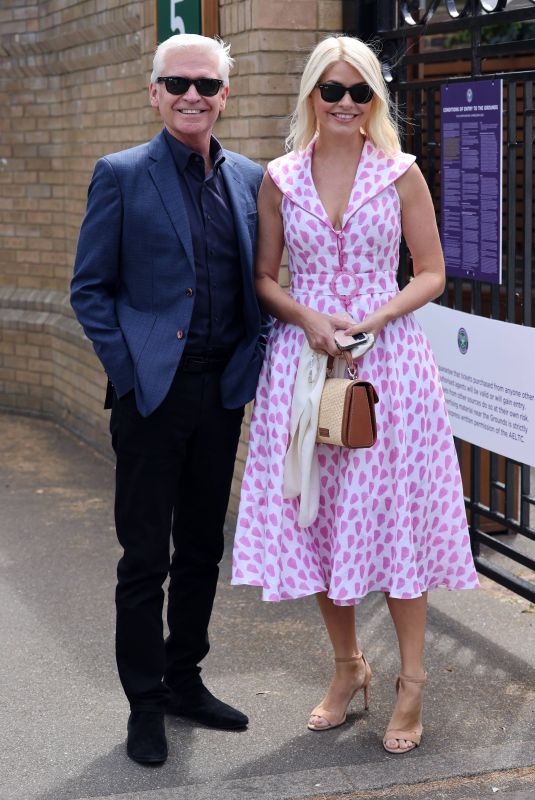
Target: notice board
x=471 y=179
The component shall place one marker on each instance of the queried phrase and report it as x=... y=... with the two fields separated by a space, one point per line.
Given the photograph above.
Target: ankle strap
x=413 y=680
x=356 y=657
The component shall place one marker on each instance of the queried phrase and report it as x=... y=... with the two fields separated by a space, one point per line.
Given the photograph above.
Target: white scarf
x=301 y=468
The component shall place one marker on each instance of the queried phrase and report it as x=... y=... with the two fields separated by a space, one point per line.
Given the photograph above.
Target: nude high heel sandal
x=322 y=718
x=414 y=730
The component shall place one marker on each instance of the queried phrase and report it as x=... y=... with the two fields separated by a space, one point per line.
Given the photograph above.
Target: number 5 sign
x=185 y=16
x=177 y=23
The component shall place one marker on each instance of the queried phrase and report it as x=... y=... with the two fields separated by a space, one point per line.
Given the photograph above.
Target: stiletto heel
x=415 y=730
x=321 y=712
x=366 y=689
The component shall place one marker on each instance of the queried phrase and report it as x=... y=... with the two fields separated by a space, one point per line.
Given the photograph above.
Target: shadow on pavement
x=63 y=714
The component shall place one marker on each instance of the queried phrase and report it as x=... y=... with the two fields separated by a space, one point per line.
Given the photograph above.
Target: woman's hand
x=373 y=323
x=319 y=329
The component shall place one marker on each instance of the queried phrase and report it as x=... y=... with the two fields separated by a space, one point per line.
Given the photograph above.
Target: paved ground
x=63 y=715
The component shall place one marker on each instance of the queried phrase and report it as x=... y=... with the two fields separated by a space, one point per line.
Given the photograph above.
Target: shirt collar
x=182 y=154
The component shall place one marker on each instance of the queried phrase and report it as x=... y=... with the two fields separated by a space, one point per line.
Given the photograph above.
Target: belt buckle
x=345 y=285
x=193 y=364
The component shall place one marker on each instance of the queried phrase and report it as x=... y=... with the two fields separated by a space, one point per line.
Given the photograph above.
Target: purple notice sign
x=471 y=183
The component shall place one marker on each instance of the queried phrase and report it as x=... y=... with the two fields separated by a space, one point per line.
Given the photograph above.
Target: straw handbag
x=347 y=410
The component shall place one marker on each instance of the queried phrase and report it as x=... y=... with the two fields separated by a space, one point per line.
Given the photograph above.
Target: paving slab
x=63 y=714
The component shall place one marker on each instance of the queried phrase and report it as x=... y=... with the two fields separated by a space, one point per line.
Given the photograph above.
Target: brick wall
x=73 y=86
x=270 y=42
x=73 y=79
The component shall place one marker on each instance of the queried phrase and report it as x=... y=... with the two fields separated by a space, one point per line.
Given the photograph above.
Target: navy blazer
x=134 y=267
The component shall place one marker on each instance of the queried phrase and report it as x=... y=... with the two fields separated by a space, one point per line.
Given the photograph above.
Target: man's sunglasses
x=207 y=87
x=333 y=92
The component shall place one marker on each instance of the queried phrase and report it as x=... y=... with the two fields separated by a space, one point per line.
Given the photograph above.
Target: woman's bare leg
x=340 y=624
x=351 y=671
x=409 y=618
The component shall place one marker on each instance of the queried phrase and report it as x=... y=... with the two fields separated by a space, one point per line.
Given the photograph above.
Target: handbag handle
x=351 y=365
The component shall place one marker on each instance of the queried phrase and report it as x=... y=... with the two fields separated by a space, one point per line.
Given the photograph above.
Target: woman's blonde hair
x=381 y=128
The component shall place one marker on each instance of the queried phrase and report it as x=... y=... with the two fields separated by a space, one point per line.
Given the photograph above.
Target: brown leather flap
x=359 y=428
x=370 y=388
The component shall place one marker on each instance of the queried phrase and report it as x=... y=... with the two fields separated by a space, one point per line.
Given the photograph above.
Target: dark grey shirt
x=217 y=321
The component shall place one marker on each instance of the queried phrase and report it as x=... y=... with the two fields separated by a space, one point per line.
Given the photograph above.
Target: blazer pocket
x=136 y=327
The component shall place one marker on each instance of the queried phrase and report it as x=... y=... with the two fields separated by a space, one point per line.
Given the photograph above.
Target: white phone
x=358 y=343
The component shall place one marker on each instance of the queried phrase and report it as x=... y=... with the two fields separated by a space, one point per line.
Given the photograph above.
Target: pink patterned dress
x=391 y=518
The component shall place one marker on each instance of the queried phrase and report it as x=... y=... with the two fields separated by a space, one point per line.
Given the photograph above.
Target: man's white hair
x=193 y=41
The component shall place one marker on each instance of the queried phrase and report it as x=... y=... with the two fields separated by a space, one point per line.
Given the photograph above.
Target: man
x=163 y=286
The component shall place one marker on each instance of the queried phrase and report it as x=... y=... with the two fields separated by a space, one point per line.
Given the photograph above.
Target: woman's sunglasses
x=207 y=87
x=333 y=92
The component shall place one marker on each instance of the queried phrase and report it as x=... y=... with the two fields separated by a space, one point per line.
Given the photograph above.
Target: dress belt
x=343 y=283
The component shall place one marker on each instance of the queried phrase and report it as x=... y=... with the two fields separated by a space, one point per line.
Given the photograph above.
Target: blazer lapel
x=243 y=207
x=240 y=209
x=163 y=173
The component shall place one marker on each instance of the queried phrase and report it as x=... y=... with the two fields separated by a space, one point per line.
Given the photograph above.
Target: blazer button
x=189 y=292
x=180 y=334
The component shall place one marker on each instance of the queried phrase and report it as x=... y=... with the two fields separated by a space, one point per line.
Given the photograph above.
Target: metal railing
x=422 y=48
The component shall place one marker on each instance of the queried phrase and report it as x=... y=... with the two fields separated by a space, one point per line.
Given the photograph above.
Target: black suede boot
x=199 y=704
x=146 y=742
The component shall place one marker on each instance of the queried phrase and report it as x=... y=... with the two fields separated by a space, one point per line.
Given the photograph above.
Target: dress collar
x=375 y=172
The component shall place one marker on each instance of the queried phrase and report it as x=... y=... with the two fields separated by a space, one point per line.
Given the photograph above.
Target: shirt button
x=180 y=334
x=189 y=292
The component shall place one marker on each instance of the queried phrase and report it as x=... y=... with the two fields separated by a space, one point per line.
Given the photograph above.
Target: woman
x=390 y=518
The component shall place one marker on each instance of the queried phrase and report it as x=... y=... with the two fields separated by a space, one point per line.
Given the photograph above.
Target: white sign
x=487 y=369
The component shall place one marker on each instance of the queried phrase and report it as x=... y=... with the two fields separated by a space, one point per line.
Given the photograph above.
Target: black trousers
x=174 y=472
